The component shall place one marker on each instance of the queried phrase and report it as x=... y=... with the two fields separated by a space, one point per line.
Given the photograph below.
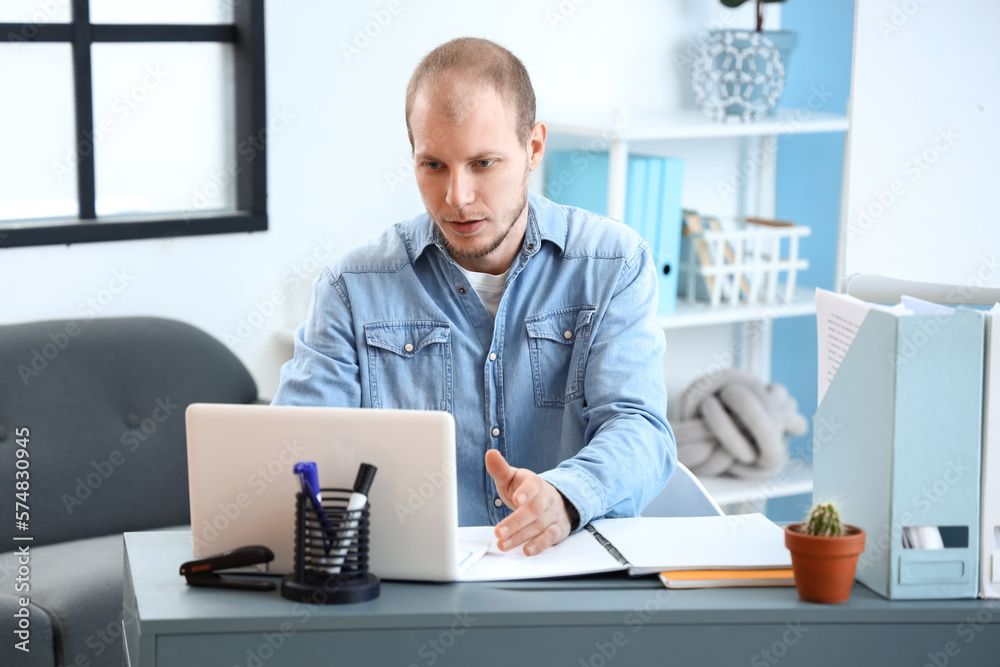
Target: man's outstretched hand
x=540 y=518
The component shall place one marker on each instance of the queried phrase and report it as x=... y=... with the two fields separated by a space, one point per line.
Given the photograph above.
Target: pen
x=309 y=479
x=357 y=501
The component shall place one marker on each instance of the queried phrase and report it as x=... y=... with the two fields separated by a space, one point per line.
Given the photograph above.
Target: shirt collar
x=546 y=222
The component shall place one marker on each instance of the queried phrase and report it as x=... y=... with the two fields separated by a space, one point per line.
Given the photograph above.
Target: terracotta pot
x=824 y=566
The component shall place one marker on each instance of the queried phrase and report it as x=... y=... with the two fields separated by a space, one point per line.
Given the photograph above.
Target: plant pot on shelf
x=740 y=74
x=824 y=566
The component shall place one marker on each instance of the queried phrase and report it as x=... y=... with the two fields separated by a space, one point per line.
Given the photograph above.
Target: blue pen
x=309 y=478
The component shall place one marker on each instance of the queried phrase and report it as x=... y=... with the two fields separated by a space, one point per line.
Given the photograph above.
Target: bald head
x=453 y=70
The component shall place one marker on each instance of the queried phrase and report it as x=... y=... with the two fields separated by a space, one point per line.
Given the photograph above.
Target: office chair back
x=683 y=495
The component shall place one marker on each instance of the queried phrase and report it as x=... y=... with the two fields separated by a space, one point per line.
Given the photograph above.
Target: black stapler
x=204 y=571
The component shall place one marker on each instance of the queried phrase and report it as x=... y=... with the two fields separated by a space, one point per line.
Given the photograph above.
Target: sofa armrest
x=37 y=633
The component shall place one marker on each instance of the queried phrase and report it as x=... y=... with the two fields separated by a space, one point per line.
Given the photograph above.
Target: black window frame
x=246 y=34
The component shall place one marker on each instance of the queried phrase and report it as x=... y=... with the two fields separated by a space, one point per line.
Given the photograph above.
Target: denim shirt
x=567 y=381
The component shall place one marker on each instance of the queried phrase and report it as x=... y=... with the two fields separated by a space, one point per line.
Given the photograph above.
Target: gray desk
x=593 y=622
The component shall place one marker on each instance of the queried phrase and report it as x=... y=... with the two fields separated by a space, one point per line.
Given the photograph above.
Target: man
x=533 y=324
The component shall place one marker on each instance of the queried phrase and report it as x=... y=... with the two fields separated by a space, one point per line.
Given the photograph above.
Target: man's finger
x=534 y=527
x=529 y=489
x=498 y=468
x=553 y=534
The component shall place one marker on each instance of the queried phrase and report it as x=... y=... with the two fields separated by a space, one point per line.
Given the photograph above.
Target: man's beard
x=477 y=253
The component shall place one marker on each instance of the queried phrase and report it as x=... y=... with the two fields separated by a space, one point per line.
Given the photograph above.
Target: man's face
x=472 y=172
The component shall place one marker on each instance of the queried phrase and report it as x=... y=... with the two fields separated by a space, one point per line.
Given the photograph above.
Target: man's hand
x=540 y=517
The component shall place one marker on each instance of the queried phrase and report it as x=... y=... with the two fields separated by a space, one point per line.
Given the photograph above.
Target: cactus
x=824 y=521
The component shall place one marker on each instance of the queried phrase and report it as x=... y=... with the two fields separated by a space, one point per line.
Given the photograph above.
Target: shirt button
x=567 y=334
x=461 y=290
x=531 y=246
x=497 y=502
x=408 y=347
x=496 y=432
x=493 y=356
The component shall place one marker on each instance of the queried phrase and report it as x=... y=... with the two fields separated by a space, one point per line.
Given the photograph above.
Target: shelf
x=693 y=124
x=702 y=314
x=795 y=479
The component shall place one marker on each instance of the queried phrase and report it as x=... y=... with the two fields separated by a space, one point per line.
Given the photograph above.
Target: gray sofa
x=103 y=403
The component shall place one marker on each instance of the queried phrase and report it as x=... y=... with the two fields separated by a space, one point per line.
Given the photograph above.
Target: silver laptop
x=240 y=460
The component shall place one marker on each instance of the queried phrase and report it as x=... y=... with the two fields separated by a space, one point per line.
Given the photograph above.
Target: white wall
x=924 y=141
x=327 y=170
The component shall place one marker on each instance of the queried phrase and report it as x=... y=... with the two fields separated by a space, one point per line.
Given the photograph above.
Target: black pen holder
x=331 y=557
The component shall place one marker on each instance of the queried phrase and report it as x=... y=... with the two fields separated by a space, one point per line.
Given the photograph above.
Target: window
x=131 y=119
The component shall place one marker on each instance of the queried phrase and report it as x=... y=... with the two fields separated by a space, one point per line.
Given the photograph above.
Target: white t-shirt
x=489 y=288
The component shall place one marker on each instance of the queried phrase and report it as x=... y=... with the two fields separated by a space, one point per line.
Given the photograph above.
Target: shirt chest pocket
x=409 y=365
x=558 y=343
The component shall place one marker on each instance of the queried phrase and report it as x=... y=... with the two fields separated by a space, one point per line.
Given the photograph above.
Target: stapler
x=204 y=571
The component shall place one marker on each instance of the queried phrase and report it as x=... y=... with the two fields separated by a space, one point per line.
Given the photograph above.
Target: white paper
x=922 y=537
x=921 y=307
x=469 y=553
x=838 y=319
x=659 y=544
x=578 y=554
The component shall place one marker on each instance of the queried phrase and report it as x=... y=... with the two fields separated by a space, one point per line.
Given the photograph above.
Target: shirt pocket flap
x=407 y=339
x=561 y=326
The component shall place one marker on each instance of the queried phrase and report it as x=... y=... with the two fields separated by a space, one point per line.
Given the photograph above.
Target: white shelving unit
x=578 y=132
x=700 y=314
x=621 y=134
x=693 y=124
x=740 y=495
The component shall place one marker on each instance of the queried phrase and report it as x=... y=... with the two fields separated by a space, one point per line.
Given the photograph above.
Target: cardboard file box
x=652 y=203
x=898 y=437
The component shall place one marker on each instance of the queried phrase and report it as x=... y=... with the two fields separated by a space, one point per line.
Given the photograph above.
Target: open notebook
x=639 y=546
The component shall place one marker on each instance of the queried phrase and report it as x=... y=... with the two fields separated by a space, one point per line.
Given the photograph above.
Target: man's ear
x=536 y=145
